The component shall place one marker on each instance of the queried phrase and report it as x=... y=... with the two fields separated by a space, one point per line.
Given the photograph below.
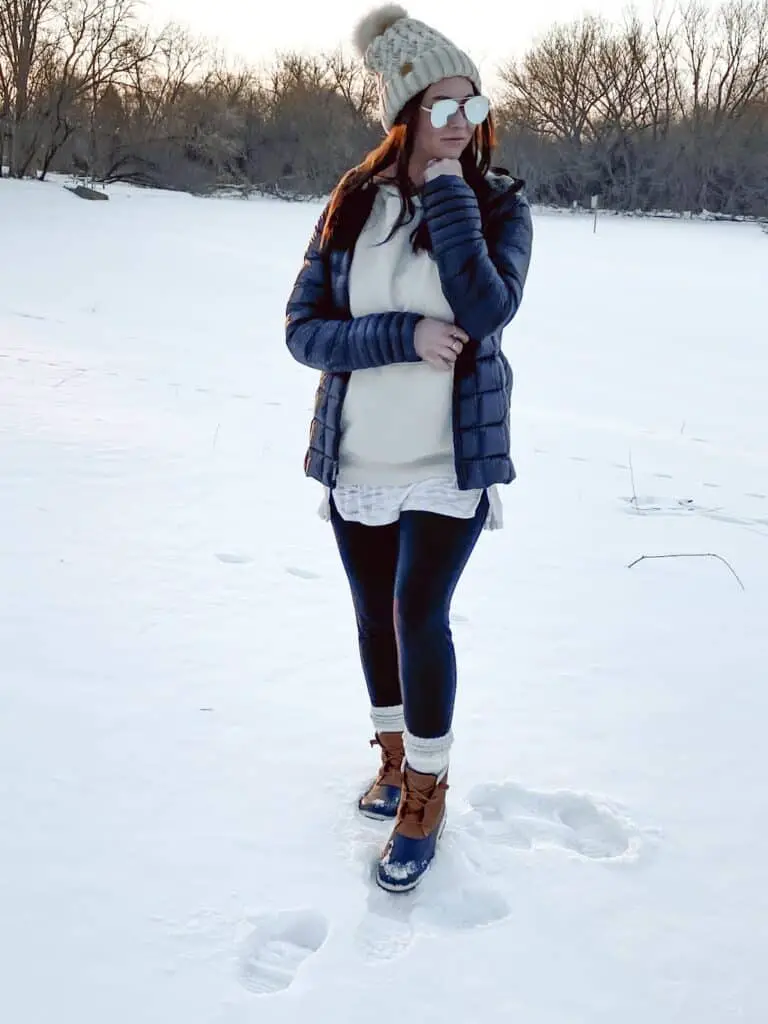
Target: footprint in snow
x=275 y=950
x=526 y=819
x=302 y=574
x=448 y=900
x=451 y=898
x=385 y=931
x=233 y=558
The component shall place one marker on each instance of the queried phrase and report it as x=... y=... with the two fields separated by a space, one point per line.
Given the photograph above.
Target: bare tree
x=24 y=39
x=101 y=44
x=554 y=87
x=57 y=57
x=668 y=114
x=353 y=83
x=155 y=85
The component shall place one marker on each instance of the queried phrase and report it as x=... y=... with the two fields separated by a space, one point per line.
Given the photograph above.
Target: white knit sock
x=428 y=756
x=388 y=719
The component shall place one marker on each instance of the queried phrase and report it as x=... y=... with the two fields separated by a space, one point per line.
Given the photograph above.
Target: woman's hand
x=437 y=167
x=438 y=343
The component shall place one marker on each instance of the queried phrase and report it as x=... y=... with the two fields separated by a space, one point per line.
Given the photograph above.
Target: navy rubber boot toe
x=405 y=861
x=382 y=798
x=380 y=802
x=420 y=823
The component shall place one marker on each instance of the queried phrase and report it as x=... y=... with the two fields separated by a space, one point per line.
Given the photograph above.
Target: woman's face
x=450 y=141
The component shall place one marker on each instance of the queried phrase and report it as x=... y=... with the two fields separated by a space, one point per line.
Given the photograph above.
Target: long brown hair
x=347 y=210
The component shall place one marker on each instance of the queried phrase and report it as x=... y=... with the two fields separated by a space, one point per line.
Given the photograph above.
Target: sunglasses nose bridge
x=458 y=117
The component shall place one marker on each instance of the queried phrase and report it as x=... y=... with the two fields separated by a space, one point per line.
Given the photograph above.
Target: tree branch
x=720 y=558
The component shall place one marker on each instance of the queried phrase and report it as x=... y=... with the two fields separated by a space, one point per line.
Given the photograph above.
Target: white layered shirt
x=396 y=451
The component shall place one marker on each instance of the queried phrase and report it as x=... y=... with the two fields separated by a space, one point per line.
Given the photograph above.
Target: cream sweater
x=397 y=420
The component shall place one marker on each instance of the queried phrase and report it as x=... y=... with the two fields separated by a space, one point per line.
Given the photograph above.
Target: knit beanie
x=407 y=56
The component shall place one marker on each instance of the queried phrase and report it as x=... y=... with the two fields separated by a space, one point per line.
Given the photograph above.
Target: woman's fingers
x=456 y=340
x=447 y=346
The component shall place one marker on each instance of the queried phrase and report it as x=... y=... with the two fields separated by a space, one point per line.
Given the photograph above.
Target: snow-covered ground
x=183 y=726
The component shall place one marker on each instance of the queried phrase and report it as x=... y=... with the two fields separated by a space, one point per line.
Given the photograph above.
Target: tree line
x=668 y=114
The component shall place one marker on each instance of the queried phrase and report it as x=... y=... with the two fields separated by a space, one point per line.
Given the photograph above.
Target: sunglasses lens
x=477 y=109
x=441 y=111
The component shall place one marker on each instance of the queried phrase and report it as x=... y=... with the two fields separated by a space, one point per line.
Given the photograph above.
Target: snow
x=183 y=725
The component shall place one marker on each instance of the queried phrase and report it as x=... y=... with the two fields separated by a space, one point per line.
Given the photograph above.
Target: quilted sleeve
x=317 y=338
x=482 y=276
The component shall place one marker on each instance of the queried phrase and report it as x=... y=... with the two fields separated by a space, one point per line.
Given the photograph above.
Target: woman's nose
x=458 y=120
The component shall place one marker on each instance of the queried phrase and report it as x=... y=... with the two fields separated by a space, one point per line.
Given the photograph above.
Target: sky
x=490 y=32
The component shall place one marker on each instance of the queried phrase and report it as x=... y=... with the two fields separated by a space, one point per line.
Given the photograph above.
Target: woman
x=416 y=266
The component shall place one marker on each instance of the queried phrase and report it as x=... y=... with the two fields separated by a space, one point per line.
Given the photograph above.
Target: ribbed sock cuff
x=388 y=719
x=429 y=756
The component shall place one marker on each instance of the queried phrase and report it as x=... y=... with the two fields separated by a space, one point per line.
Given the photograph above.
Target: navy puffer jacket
x=482 y=248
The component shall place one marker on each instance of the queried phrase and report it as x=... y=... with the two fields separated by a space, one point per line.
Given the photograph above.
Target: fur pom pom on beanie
x=407 y=56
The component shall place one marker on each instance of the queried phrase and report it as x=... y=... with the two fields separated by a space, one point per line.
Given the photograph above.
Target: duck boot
x=382 y=798
x=420 y=823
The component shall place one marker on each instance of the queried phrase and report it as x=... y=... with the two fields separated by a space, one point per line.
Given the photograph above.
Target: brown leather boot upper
x=390 y=771
x=422 y=804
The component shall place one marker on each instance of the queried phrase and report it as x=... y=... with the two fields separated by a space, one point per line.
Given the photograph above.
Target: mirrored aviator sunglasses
x=475 y=109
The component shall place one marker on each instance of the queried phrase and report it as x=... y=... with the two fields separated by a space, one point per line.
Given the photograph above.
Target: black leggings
x=402 y=577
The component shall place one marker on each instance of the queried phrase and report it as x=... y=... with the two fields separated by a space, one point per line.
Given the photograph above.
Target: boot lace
x=391 y=759
x=413 y=806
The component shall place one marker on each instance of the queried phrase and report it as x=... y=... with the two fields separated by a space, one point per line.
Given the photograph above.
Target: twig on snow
x=67 y=379
x=707 y=554
x=632 y=478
